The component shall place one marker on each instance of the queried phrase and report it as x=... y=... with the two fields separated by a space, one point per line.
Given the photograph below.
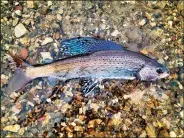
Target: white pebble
x=16 y=3
x=4 y=1
x=142 y=22
x=20 y=30
x=60 y=11
x=46 y=55
x=59 y=17
x=170 y=24
x=18 y=12
x=47 y=40
x=182 y=114
x=153 y=24
x=173 y=134
x=115 y=33
x=48 y=100
x=49 y=3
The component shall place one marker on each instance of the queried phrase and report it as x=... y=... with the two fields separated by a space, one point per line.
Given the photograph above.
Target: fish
x=83 y=45
x=109 y=64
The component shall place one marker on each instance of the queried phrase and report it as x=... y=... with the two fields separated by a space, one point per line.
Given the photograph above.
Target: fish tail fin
x=20 y=78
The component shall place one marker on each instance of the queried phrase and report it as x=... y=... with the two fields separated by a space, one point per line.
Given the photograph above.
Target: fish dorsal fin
x=84 y=45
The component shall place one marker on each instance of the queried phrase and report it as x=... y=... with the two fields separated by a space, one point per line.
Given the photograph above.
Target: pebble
x=60 y=11
x=46 y=121
x=92 y=123
x=153 y=24
x=5 y=1
x=55 y=26
x=49 y=3
x=143 y=22
x=18 y=12
x=115 y=33
x=182 y=114
x=47 y=40
x=59 y=17
x=46 y=56
x=15 y=110
x=21 y=131
x=15 y=21
x=3 y=108
x=94 y=106
x=173 y=134
x=170 y=24
x=30 y=4
x=12 y=128
x=150 y=129
x=78 y=128
x=143 y=134
x=20 y=30
x=24 y=53
x=4 y=119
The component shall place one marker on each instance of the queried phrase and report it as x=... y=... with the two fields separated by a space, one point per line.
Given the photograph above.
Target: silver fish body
x=111 y=64
x=103 y=64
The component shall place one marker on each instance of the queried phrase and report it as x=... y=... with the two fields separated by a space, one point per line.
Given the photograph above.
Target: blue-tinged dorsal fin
x=84 y=45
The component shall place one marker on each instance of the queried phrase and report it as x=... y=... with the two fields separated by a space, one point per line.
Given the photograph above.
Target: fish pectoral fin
x=137 y=76
x=90 y=86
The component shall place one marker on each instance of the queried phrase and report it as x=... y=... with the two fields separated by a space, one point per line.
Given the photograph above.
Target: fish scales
x=103 y=65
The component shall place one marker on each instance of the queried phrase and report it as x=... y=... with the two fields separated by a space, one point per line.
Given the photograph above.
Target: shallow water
x=33 y=30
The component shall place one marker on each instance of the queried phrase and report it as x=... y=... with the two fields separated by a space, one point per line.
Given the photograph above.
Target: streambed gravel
x=33 y=30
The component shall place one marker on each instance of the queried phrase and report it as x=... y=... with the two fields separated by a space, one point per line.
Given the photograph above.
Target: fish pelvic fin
x=20 y=78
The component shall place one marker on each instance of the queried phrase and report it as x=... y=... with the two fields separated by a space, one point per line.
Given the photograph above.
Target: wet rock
x=20 y=30
x=21 y=131
x=15 y=109
x=143 y=134
x=15 y=21
x=46 y=121
x=18 y=12
x=143 y=22
x=49 y=3
x=4 y=119
x=24 y=53
x=30 y=4
x=92 y=123
x=163 y=133
x=59 y=17
x=46 y=56
x=182 y=114
x=55 y=26
x=150 y=129
x=78 y=128
x=12 y=128
x=172 y=134
x=94 y=106
x=115 y=33
x=47 y=40
x=60 y=11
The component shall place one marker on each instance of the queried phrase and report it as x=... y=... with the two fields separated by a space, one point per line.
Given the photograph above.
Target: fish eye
x=159 y=71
